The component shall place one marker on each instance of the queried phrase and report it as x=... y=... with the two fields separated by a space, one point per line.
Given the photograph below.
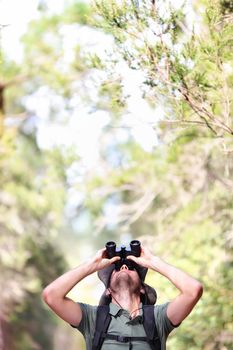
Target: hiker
x=127 y=317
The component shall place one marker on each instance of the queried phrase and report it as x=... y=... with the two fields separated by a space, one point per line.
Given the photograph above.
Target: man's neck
x=127 y=301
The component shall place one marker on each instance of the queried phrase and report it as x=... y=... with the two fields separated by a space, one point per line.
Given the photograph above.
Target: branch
x=200 y=110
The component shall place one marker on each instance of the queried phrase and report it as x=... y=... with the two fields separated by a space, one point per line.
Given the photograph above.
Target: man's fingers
x=132 y=257
x=114 y=259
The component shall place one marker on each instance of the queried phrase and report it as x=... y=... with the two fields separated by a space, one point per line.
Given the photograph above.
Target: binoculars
x=123 y=251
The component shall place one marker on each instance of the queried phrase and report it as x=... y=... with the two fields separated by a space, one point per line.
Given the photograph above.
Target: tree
x=188 y=70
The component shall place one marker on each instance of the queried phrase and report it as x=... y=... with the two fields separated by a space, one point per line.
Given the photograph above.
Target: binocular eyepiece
x=123 y=251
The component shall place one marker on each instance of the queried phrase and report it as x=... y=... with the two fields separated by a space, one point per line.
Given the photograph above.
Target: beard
x=125 y=282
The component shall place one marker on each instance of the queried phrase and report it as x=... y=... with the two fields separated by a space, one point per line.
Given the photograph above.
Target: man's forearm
x=185 y=283
x=55 y=294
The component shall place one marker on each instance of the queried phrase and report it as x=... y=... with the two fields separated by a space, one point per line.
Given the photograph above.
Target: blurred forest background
x=117 y=124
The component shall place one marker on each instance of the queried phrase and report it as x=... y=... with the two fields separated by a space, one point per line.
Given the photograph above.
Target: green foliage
x=28 y=324
x=77 y=12
x=184 y=67
x=111 y=97
x=115 y=14
x=30 y=215
x=226 y=6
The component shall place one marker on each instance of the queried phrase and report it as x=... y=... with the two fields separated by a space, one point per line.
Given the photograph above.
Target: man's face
x=125 y=279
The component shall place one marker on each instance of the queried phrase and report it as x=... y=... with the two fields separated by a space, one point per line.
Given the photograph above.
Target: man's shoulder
x=88 y=318
x=162 y=321
x=88 y=307
x=161 y=308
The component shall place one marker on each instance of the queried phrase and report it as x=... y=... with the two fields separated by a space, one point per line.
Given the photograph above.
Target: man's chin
x=124 y=277
x=124 y=273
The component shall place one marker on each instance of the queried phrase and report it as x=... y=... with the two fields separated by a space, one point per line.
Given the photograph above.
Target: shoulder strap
x=150 y=327
x=103 y=320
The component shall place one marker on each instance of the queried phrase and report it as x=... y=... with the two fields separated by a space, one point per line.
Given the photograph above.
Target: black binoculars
x=123 y=252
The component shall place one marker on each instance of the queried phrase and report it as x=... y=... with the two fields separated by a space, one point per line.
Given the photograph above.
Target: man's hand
x=145 y=259
x=100 y=260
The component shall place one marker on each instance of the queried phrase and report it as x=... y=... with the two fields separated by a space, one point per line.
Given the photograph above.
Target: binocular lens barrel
x=110 y=244
x=111 y=249
x=135 y=246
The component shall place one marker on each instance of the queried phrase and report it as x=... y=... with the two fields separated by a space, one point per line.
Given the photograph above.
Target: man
x=126 y=292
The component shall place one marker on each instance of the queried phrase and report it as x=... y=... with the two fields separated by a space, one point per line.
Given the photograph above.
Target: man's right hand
x=100 y=260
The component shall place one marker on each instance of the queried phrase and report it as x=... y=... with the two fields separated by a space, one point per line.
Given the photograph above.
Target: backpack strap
x=103 y=319
x=150 y=327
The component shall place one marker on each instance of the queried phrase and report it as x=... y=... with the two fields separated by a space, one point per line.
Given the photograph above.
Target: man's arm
x=55 y=293
x=190 y=289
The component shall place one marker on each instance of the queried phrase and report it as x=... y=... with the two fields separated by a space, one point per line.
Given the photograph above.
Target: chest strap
x=122 y=338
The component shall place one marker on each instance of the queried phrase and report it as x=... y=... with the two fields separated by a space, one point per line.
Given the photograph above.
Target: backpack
x=103 y=319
